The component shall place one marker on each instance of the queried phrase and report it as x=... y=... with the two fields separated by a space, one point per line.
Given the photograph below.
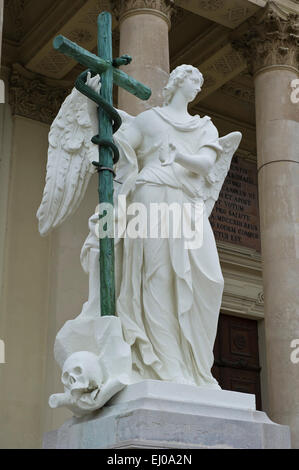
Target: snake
x=114 y=116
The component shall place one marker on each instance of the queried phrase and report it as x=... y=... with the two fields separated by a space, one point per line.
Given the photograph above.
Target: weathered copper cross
x=104 y=65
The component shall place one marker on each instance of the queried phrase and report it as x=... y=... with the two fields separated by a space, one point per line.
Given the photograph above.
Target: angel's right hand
x=94 y=82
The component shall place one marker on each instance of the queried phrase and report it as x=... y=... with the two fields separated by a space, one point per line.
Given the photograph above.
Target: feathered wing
x=212 y=183
x=69 y=166
x=126 y=170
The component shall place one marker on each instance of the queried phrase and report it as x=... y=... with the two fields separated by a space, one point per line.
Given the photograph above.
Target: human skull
x=82 y=374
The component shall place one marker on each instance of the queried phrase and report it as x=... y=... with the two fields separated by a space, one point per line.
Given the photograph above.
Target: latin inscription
x=235 y=218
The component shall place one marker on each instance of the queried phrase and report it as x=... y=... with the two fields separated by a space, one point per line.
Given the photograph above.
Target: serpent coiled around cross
x=112 y=113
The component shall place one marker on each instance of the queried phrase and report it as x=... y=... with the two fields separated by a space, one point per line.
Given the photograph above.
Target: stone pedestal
x=154 y=414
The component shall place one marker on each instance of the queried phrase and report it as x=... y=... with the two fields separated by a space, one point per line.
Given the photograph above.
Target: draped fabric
x=168 y=297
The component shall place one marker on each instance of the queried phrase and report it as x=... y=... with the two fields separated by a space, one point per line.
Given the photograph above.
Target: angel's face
x=191 y=86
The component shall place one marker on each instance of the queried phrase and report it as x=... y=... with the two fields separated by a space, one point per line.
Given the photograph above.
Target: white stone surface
x=168 y=288
x=95 y=361
x=138 y=418
x=187 y=394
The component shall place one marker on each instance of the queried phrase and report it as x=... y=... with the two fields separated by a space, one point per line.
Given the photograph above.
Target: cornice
x=229 y=13
x=290 y=6
x=246 y=307
x=243 y=287
x=240 y=256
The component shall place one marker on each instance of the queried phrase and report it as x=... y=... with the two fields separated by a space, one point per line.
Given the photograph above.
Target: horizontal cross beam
x=98 y=65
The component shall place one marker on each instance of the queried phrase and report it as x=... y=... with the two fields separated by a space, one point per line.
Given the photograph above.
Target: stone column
x=144 y=26
x=271 y=46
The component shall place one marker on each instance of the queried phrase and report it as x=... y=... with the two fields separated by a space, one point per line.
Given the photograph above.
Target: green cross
x=104 y=64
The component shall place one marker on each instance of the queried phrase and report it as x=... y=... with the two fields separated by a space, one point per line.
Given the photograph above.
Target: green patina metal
x=109 y=122
x=99 y=65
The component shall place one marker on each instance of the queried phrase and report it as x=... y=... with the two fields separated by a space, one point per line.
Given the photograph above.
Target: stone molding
x=229 y=13
x=270 y=39
x=34 y=96
x=242 y=272
x=124 y=8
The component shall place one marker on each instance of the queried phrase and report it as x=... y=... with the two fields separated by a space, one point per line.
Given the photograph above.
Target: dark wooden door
x=236 y=365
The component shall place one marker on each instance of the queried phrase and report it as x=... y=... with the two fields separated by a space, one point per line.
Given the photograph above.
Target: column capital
x=124 y=8
x=269 y=39
x=34 y=96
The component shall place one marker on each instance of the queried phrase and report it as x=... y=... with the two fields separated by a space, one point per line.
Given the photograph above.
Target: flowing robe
x=168 y=297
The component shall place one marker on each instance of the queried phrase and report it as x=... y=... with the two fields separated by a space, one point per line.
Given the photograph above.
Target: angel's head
x=186 y=78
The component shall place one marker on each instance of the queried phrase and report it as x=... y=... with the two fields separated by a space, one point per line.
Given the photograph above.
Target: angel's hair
x=176 y=78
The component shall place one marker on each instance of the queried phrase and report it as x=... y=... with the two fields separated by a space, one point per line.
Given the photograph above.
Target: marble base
x=154 y=414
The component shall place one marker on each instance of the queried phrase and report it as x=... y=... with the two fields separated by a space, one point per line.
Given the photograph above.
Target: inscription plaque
x=235 y=218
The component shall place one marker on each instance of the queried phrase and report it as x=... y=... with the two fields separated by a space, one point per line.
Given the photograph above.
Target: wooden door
x=236 y=365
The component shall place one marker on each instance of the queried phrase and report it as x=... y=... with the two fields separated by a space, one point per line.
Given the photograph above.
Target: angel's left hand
x=167 y=156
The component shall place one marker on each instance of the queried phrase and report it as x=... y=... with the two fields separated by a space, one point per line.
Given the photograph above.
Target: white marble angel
x=168 y=297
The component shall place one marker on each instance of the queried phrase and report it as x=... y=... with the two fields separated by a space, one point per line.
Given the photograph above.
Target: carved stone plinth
x=154 y=414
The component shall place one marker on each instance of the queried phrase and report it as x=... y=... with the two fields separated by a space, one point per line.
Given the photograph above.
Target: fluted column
x=271 y=46
x=144 y=26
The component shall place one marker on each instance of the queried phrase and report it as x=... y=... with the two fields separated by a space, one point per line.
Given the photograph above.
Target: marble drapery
x=168 y=297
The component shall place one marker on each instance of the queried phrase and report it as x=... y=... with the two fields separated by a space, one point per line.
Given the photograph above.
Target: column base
x=163 y=415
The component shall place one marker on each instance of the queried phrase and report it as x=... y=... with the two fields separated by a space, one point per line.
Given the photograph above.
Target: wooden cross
x=104 y=65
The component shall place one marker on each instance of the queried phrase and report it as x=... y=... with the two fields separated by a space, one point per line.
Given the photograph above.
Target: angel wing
x=212 y=183
x=126 y=170
x=69 y=166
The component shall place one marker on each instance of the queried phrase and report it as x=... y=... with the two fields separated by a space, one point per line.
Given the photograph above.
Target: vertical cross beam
x=104 y=65
x=107 y=287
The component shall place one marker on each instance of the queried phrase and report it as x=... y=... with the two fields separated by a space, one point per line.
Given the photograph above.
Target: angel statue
x=168 y=296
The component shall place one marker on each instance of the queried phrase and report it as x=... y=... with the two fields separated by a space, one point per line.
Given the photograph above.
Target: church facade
x=248 y=53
